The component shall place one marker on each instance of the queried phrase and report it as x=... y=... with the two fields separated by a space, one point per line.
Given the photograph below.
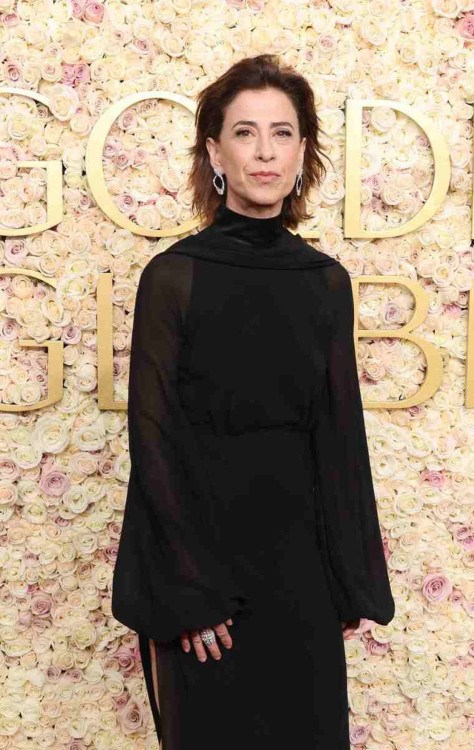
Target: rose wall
x=70 y=674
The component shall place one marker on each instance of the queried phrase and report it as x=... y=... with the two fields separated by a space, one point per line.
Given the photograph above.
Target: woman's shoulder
x=167 y=275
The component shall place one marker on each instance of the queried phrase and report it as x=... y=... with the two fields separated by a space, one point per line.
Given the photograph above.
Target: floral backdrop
x=70 y=674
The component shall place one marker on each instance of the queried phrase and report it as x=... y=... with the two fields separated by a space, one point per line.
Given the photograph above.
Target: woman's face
x=267 y=141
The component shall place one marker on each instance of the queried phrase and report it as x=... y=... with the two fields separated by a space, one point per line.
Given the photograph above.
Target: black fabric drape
x=170 y=574
x=348 y=525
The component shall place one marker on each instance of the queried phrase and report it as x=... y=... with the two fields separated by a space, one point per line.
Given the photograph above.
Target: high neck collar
x=248 y=230
x=238 y=240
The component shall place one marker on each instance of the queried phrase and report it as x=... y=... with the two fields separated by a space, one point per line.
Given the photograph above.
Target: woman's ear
x=213 y=152
x=302 y=149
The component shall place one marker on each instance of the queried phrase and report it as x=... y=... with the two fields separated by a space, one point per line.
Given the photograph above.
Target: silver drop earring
x=299 y=181
x=220 y=188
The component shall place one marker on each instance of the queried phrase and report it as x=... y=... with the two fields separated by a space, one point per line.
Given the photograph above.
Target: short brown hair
x=260 y=72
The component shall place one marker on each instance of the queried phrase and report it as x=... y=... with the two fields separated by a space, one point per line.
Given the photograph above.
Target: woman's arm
x=169 y=575
x=346 y=512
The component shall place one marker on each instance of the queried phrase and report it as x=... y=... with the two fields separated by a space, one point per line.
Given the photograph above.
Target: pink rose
x=94 y=12
x=120 y=701
x=37 y=374
x=132 y=717
x=9 y=471
x=76 y=744
x=452 y=310
x=115 y=529
x=393 y=313
x=54 y=482
x=41 y=605
x=9 y=19
x=12 y=71
x=464 y=534
x=40 y=293
x=68 y=74
x=376 y=648
x=126 y=204
x=434 y=478
x=122 y=159
x=111 y=147
x=12 y=152
x=376 y=205
x=465 y=26
x=127 y=120
x=71 y=334
x=78 y=8
x=125 y=658
x=456 y=597
x=9 y=330
x=375 y=182
x=82 y=72
x=111 y=552
x=53 y=673
x=139 y=156
x=436 y=587
x=85 y=202
x=74 y=674
x=327 y=42
x=255 y=6
x=25 y=619
x=359 y=735
x=15 y=251
x=106 y=467
x=142 y=46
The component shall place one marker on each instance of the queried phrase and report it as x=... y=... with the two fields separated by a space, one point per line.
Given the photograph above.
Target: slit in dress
x=150 y=671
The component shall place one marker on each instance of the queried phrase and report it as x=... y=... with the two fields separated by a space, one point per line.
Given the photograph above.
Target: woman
x=250 y=545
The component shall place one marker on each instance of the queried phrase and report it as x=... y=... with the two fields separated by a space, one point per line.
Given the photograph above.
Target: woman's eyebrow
x=251 y=122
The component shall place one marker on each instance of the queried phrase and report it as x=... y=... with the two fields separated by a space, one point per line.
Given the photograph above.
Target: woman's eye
x=285 y=132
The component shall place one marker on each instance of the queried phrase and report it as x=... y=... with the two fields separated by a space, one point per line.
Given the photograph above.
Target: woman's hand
x=349 y=627
x=193 y=636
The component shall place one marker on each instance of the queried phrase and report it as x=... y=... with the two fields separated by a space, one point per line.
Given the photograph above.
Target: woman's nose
x=265 y=148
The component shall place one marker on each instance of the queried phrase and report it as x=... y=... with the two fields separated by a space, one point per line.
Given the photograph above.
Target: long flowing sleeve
x=169 y=575
x=347 y=522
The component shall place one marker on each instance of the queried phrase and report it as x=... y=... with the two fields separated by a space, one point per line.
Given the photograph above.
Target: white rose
x=50 y=434
x=63 y=101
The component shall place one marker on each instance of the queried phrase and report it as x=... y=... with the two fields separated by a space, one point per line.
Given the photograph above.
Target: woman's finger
x=213 y=647
x=185 y=642
x=224 y=635
x=198 y=645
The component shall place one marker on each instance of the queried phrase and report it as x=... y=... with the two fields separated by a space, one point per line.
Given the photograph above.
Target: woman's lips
x=265 y=177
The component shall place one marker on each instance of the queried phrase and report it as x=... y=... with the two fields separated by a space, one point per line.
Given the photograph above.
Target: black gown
x=250 y=492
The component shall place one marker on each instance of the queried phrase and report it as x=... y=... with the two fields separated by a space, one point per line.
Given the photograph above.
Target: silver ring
x=208 y=636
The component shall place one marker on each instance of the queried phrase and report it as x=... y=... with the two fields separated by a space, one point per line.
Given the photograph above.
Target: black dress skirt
x=250 y=492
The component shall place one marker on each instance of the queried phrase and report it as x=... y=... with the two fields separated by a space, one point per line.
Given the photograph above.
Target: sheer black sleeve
x=169 y=575
x=347 y=521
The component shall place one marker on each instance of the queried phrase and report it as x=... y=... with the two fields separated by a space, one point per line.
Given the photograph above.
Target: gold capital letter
x=54 y=175
x=55 y=355
x=442 y=170
x=434 y=362
x=95 y=170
